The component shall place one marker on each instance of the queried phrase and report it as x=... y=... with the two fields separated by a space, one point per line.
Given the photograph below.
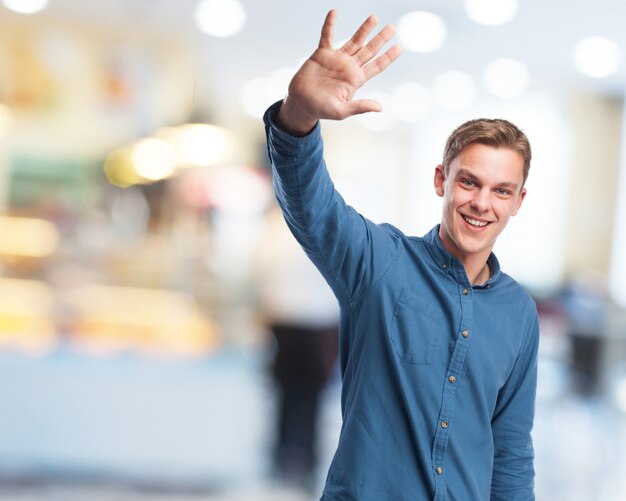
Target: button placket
x=455 y=369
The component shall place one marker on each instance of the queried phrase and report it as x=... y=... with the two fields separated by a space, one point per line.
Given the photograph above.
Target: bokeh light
x=412 y=102
x=220 y=18
x=455 y=90
x=597 y=57
x=6 y=119
x=491 y=12
x=506 y=78
x=421 y=31
x=25 y=6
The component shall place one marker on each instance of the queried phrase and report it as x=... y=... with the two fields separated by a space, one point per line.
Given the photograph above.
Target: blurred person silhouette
x=584 y=298
x=299 y=308
x=438 y=347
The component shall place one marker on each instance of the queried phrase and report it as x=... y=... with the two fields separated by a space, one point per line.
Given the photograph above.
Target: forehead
x=501 y=164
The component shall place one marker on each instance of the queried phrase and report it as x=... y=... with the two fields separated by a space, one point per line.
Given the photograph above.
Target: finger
x=360 y=35
x=380 y=63
x=328 y=29
x=369 y=51
x=361 y=106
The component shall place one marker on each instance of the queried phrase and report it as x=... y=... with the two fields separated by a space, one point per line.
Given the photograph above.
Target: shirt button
x=444 y=424
x=465 y=291
x=452 y=379
x=439 y=470
x=444 y=266
x=465 y=333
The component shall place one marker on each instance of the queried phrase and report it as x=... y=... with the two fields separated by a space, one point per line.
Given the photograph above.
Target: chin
x=474 y=244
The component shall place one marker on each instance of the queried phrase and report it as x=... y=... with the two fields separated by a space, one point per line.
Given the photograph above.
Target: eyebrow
x=467 y=174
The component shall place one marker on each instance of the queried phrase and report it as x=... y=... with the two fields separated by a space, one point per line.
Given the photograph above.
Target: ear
x=520 y=199
x=440 y=178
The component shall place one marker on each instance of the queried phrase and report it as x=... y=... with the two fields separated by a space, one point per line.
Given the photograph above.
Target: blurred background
x=137 y=349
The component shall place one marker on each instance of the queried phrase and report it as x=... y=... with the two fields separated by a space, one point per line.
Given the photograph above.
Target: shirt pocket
x=415 y=323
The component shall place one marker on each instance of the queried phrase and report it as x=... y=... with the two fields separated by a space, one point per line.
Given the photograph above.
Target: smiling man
x=438 y=346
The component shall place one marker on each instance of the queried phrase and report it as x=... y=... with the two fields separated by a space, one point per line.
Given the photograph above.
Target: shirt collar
x=447 y=261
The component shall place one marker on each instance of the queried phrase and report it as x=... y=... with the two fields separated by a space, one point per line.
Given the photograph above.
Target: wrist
x=293 y=119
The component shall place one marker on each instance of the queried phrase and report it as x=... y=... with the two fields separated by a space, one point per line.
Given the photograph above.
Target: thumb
x=361 y=106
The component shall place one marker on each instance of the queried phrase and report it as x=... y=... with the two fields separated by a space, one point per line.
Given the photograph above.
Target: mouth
x=475 y=223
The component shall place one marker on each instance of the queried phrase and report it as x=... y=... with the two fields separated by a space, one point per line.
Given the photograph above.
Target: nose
x=480 y=201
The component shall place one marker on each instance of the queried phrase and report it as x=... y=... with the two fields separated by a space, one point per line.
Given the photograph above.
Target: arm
x=513 y=471
x=339 y=241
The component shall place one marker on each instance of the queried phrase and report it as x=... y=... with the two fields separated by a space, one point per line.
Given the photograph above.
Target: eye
x=467 y=182
x=502 y=192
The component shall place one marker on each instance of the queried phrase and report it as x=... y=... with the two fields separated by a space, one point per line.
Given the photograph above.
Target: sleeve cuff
x=270 y=118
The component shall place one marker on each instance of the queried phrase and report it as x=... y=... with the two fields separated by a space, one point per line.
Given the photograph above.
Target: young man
x=438 y=347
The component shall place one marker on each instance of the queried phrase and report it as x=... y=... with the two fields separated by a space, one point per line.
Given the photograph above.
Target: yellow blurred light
x=6 y=119
x=25 y=297
x=21 y=236
x=26 y=315
x=111 y=317
x=119 y=169
x=154 y=159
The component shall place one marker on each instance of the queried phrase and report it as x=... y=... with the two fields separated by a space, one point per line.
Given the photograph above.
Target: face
x=481 y=191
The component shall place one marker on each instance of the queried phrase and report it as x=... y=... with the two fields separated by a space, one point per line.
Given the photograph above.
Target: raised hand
x=325 y=84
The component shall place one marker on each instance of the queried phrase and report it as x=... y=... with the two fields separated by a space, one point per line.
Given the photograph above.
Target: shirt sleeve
x=350 y=251
x=513 y=470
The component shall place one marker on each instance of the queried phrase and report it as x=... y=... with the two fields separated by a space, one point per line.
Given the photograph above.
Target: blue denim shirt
x=439 y=376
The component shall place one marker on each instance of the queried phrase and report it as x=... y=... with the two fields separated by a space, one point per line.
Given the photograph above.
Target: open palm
x=325 y=85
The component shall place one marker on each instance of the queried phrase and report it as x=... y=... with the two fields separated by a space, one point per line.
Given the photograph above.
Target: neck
x=475 y=264
x=478 y=277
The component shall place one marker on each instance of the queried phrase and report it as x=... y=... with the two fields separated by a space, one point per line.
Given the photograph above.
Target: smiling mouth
x=475 y=222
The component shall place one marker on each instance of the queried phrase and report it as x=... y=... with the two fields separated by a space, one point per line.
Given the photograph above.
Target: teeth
x=474 y=222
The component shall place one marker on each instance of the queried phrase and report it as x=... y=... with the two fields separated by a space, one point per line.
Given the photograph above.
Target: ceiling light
x=220 y=18
x=25 y=6
x=421 y=31
x=597 y=57
x=412 y=102
x=506 y=78
x=491 y=12
x=454 y=90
